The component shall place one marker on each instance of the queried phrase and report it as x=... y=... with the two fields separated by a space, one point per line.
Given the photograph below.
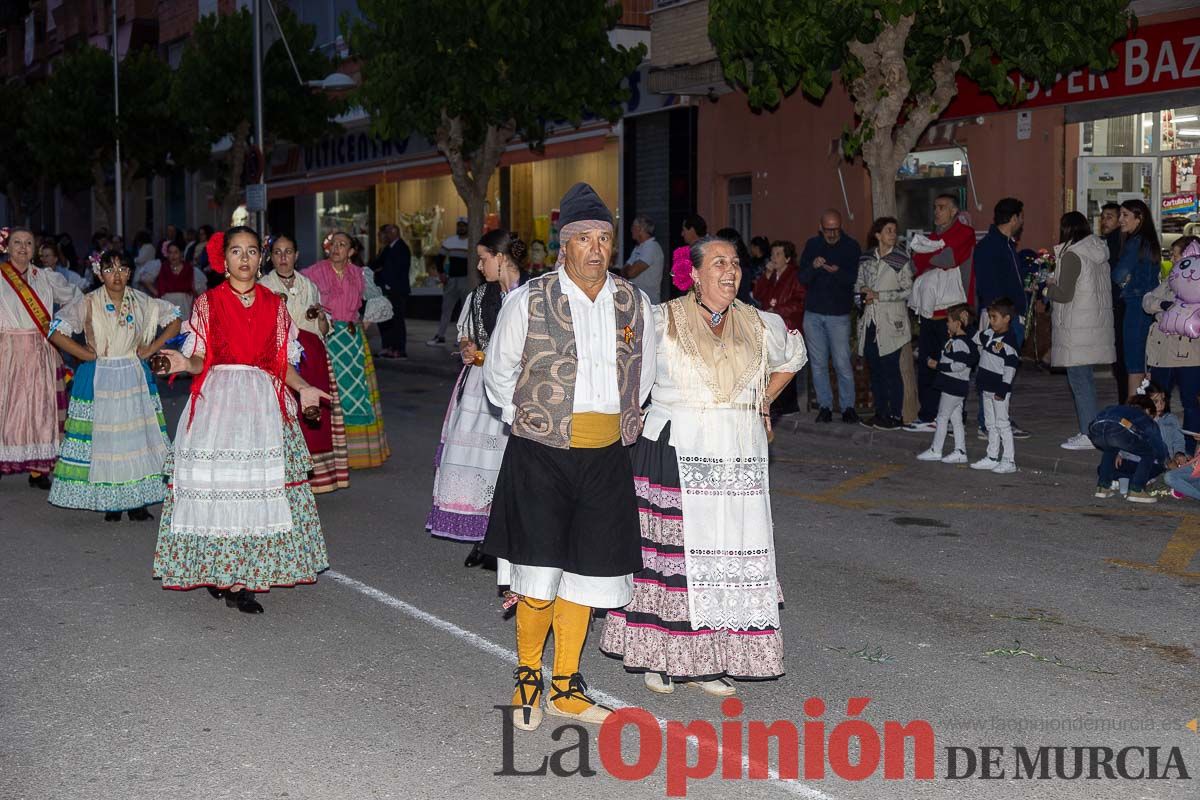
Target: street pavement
x=1005 y=611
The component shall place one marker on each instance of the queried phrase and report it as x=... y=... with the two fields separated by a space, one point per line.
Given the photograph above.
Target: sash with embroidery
x=29 y=299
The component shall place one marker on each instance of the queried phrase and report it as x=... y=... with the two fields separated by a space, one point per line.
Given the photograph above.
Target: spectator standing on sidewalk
x=456 y=288
x=392 y=266
x=957 y=251
x=778 y=292
x=1082 y=317
x=1136 y=273
x=644 y=268
x=829 y=269
x=1110 y=232
x=998 y=274
x=885 y=279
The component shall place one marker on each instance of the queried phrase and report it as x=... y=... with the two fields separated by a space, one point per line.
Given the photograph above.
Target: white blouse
x=303 y=295
x=594 y=323
x=115 y=330
x=50 y=287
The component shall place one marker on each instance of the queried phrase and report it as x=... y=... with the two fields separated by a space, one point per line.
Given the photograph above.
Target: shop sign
x=1156 y=58
x=1178 y=204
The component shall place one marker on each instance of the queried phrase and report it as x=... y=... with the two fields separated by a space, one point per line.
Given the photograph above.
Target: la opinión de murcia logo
x=852 y=750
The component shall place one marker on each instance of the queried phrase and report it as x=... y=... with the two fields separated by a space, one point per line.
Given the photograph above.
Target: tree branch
x=928 y=106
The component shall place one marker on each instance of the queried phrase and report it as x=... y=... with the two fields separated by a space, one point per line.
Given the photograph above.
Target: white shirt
x=50 y=287
x=594 y=324
x=650 y=279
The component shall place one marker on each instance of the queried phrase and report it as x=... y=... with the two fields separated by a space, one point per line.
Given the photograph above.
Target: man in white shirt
x=570 y=363
x=458 y=285
x=645 y=264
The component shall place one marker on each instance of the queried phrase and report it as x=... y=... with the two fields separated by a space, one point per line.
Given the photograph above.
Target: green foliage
x=18 y=168
x=488 y=63
x=71 y=124
x=772 y=47
x=213 y=93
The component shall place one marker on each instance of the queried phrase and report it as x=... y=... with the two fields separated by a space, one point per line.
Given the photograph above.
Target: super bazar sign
x=1157 y=58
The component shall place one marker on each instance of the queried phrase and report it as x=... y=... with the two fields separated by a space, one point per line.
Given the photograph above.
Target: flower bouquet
x=1041 y=271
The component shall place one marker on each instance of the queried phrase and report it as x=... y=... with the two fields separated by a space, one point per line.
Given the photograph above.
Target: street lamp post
x=259 y=138
x=118 y=195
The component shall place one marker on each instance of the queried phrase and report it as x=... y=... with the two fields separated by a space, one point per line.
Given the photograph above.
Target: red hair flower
x=681 y=268
x=216 y=252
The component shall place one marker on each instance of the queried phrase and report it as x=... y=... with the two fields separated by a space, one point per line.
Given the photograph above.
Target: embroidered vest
x=545 y=393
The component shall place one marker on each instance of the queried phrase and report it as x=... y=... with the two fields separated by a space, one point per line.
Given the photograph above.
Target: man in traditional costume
x=33 y=400
x=570 y=364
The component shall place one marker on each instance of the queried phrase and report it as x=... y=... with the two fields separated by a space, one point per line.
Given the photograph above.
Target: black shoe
x=139 y=515
x=112 y=516
x=825 y=415
x=887 y=424
x=244 y=601
x=849 y=416
x=215 y=592
x=475 y=557
x=873 y=422
x=40 y=482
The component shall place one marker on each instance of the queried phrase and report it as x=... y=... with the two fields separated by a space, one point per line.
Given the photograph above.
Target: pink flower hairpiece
x=327 y=242
x=4 y=233
x=163 y=248
x=94 y=260
x=681 y=268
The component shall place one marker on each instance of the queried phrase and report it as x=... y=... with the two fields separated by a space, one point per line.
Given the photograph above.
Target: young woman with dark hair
x=473 y=435
x=1081 y=317
x=239 y=516
x=1136 y=273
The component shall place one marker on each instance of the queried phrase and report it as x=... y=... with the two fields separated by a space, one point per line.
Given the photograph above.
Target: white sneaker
x=986 y=463
x=929 y=455
x=920 y=427
x=1005 y=468
x=1078 y=442
x=957 y=457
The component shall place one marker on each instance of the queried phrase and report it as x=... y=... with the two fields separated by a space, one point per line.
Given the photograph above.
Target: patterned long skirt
x=467 y=462
x=326 y=439
x=33 y=402
x=116 y=439
x=232 y=526
x=354 y=369
x=654 y=633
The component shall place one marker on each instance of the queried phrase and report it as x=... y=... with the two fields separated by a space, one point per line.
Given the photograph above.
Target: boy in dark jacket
x=1129 y=428
x=953 y=380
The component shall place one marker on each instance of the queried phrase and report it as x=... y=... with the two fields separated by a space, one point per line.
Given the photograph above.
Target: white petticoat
x=229 y=475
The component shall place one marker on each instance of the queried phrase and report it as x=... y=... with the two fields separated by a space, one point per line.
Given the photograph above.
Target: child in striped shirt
x=953 y=379
x=998 y=362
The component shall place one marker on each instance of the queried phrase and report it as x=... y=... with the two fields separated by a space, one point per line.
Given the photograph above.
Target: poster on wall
x=1179 y=204
x=1104 y=174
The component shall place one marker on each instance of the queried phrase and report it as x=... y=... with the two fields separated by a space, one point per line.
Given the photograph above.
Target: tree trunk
x=237 y=163
x=883 y=185
x=104 y=198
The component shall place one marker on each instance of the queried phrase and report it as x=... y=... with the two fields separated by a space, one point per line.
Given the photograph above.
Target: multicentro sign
x=1158 y=58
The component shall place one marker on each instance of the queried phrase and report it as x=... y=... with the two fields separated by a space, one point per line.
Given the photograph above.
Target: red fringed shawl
x=231 y=333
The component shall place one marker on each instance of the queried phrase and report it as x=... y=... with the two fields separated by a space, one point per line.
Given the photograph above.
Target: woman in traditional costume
x=473 y=435
x=33 y=397
x=239 y=515
x=705 y=605
x=175 y=281
x=116 y=439
x=326 y=438
x=343 y=287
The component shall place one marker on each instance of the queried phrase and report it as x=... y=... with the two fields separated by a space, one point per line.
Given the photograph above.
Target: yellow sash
x=594 y=430
x=29 y=299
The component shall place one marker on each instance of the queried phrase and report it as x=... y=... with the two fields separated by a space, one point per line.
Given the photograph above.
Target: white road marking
x=510 y=657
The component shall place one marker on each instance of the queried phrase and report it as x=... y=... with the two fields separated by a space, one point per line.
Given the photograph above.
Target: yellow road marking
x=1178 y=554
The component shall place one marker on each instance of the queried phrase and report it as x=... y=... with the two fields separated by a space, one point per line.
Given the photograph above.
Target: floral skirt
x=326 y=440
x=358 y=388
x=467 y=462
x=654 y=633
x=116 y=439
x=259 y=537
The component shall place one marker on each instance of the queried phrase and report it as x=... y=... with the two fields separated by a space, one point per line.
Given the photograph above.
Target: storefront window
x=349 y=211
x=922 y=177
x=1119 y=136
x=1181 y=128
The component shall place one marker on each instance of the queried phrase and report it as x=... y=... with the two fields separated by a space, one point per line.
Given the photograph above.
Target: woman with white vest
x=1082 y=316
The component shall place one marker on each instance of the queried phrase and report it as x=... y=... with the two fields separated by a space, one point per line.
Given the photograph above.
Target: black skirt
x=570 y=509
